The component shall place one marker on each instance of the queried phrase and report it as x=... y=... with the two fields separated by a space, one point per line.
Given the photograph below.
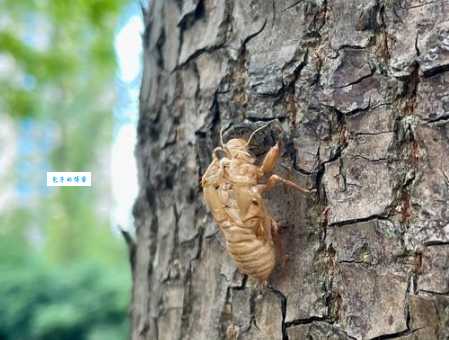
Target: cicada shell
x=232 y=188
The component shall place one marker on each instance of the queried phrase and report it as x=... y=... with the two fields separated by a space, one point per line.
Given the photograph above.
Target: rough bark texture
x=358 y=92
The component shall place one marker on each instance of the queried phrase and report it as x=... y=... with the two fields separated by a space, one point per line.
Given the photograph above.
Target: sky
x=128 y=47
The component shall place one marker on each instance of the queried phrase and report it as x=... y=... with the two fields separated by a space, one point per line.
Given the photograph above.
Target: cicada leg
x=270 y=160
x=268 y=164
x=275 y=179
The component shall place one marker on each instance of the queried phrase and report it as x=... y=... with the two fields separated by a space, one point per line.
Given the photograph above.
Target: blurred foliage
x=63 y=274
x=79 y=302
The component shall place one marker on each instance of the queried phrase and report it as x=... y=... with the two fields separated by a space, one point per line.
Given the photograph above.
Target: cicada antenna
x=223 y=146
x=256 y=131
x=221 y=137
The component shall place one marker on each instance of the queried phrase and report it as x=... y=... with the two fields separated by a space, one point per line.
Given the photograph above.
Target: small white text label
x=69 y=179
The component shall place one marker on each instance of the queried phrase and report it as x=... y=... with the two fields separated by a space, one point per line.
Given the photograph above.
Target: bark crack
x=424 y=4
x=292 y=5
x=283 y=300
x=359 y=220
x=446 y=293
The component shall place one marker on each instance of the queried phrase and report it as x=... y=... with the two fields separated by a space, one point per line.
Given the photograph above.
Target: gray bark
x=357 y=91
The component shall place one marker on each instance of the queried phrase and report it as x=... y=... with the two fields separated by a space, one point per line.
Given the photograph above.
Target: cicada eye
x=219 y=152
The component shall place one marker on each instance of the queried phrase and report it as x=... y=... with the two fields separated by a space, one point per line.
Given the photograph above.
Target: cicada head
x=238 y=149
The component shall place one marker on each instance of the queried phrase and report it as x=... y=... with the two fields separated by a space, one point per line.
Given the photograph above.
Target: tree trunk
x=357 y=93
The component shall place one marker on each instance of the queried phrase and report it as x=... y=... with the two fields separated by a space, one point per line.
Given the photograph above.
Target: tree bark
x=357 y=92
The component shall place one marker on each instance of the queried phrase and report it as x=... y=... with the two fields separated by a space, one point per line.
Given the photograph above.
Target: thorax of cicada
x=241 y=172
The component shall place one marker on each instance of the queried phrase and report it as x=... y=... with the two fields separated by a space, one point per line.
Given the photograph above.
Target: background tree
x=63 y=274
x=357 y=92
